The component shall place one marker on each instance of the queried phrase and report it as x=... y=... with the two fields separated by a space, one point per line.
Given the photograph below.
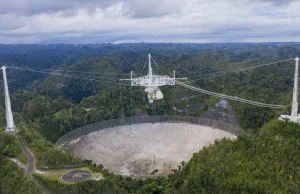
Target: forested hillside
x=13 y=178
x=267 y=162
x=203 y=65
x=47 y=106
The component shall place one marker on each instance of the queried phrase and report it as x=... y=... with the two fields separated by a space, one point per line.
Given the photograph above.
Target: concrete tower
x=294 y=112
x=294 y=117
x=9 y=116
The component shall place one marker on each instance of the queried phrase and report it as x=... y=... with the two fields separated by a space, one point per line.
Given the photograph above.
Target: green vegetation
x=10 y=147
x=265 y=163
x=56 y=117
x=48 y=106
x=270 y=84
x=110 y=184
x=89 y=186
x=13 y=178
x=2 y=116
x=47 y=156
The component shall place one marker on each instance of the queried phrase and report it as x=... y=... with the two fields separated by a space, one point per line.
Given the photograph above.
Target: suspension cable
x=63 y=73
x=235 y=98
x=70 y=76
x=235 y=70
x=160 y=70
x=231 y=97
x=179 y=83
x=65 y=70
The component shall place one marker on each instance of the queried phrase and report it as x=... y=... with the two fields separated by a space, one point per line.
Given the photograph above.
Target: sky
x=131 y=21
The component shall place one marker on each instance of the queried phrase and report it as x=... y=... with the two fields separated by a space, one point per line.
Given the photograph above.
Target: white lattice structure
x=294 y=117
x=9 y=116
x=152 y=82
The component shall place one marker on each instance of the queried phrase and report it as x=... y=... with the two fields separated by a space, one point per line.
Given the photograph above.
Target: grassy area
x=45 y=153
x=89 y=186
x=57 y=174
x=21 y=157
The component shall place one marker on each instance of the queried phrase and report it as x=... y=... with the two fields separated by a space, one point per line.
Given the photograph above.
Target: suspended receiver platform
x=152 y=82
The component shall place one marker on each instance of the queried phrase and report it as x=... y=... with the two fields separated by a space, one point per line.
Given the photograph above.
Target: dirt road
x=31 y=164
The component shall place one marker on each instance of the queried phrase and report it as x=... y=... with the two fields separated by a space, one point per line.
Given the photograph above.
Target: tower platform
x=295 y=119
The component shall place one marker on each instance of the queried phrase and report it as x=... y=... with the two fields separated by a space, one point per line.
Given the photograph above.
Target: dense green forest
x=13 y=178
x=48 y=106
x=267 y=162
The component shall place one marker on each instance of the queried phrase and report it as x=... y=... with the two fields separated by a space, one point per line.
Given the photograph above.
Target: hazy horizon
x=107 y=43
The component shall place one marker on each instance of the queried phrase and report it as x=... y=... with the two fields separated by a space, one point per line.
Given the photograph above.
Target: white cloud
x=117 y=21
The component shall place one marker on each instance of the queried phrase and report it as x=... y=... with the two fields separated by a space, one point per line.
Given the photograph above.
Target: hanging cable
x=234 y=97
x=186 y=102
x=90 y=78
x=160 y=70
x=231 y=97
x=120 y=99
x=131 y=107
x=235 y=70
x=69 y=76
x=63 y=73
x=66 y=71
x=144 y=67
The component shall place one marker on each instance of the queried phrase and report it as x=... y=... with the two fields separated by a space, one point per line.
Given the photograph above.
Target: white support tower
x=9 y=116
x=152 y=82
x=294 y=117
